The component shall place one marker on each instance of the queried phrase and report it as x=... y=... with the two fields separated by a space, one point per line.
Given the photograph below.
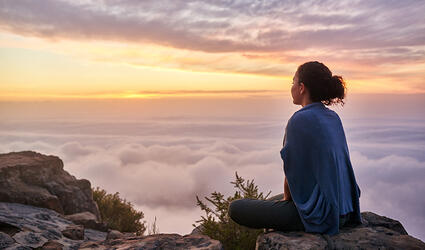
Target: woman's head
x=314 y=81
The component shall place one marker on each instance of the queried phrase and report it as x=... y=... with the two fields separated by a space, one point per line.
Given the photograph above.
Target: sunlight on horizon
x=40 y=69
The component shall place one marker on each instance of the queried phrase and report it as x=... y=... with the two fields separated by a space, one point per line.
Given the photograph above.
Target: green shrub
x=218 y=225
x=118 y=213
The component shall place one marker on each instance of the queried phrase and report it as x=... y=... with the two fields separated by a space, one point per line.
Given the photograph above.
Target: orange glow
x=37 y=69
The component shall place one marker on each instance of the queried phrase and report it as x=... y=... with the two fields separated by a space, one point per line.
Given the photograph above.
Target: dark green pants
x=272 y=213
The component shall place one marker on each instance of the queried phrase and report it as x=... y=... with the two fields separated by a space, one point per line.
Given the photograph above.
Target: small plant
x=118 y=213
x=218 y=225
x=153 y=229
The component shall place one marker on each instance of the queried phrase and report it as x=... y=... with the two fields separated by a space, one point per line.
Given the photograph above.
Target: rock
x=31 y=178
x=114 y=234
x=374 y=220
x=157 y=241
x=29 y=239
x=375 y=232
x=8 y=228
x=52 y=245
x=373 y=237
x=44 y=207
x=29 y=227
x=81 y=217
x=129 y=234
x=33 y=227
x=94 y=235
x=197 y=230
x=88 y=220
x=74 y=232
x=5 y=240
x=290 y=240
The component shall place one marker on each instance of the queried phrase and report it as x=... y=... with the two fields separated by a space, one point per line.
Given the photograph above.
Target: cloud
x=223 y=26
x=269 y=38
x=161 y=164
x=171 y=155
x=75 y=149
x=392 y=185
x=50 y=19
x=155 y=163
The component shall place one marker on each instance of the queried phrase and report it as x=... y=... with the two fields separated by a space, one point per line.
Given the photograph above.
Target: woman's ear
x=302 y=88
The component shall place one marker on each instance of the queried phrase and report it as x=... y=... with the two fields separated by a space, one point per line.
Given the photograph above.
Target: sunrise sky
x=148 y=49
x=164 y=100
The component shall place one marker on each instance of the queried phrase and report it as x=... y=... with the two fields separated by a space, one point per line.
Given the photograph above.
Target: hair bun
x=322 y=85
x=338 y=87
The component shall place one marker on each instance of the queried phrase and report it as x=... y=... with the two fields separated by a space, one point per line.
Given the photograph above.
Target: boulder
x=88 y=220
x=114 y=234
x=35 y=179
x=375 y=232
x=74 y=232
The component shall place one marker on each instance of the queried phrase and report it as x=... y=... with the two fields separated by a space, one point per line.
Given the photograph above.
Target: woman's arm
x=286 y=193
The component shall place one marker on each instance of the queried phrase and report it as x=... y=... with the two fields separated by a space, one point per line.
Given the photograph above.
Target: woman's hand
x=286 y=193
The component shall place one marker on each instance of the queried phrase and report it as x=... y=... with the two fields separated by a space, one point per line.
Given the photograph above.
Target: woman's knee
x=234 y=209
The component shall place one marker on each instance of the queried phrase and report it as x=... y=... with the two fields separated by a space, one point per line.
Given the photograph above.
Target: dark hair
x=321 y=84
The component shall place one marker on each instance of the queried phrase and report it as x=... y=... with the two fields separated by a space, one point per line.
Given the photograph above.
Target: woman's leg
x=277 y=214
x=276 y=197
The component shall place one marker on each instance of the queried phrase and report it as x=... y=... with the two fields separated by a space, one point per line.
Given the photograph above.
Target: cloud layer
x=160 y=164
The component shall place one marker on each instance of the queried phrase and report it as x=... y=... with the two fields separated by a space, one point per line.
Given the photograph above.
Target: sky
x=140 y=94
x=145 y=49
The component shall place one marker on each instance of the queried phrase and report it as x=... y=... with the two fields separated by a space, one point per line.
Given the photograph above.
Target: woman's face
x=296 y=90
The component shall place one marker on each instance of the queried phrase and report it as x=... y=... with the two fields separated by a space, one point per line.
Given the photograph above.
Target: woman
x=320 y=190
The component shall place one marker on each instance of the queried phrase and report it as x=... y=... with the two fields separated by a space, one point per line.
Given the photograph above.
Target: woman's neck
x=306 y=102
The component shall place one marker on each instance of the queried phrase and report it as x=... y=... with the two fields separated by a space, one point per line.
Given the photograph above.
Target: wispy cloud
x=357 y=33
x=224 y=26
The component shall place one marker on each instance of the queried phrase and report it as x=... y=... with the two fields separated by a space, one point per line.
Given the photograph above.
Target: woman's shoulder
x=318 y=121
x=300 y=119
x=303 y=123
x=303 y=116
x=316 y=113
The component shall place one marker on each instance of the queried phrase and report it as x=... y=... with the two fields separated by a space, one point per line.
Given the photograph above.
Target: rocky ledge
x=29 y=227
x=42 y=206
x=376 y=232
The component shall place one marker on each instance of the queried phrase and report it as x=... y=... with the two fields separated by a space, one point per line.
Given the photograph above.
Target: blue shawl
x=318 y=169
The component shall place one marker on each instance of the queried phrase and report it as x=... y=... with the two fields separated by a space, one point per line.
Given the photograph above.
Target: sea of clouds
x=161 y=163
